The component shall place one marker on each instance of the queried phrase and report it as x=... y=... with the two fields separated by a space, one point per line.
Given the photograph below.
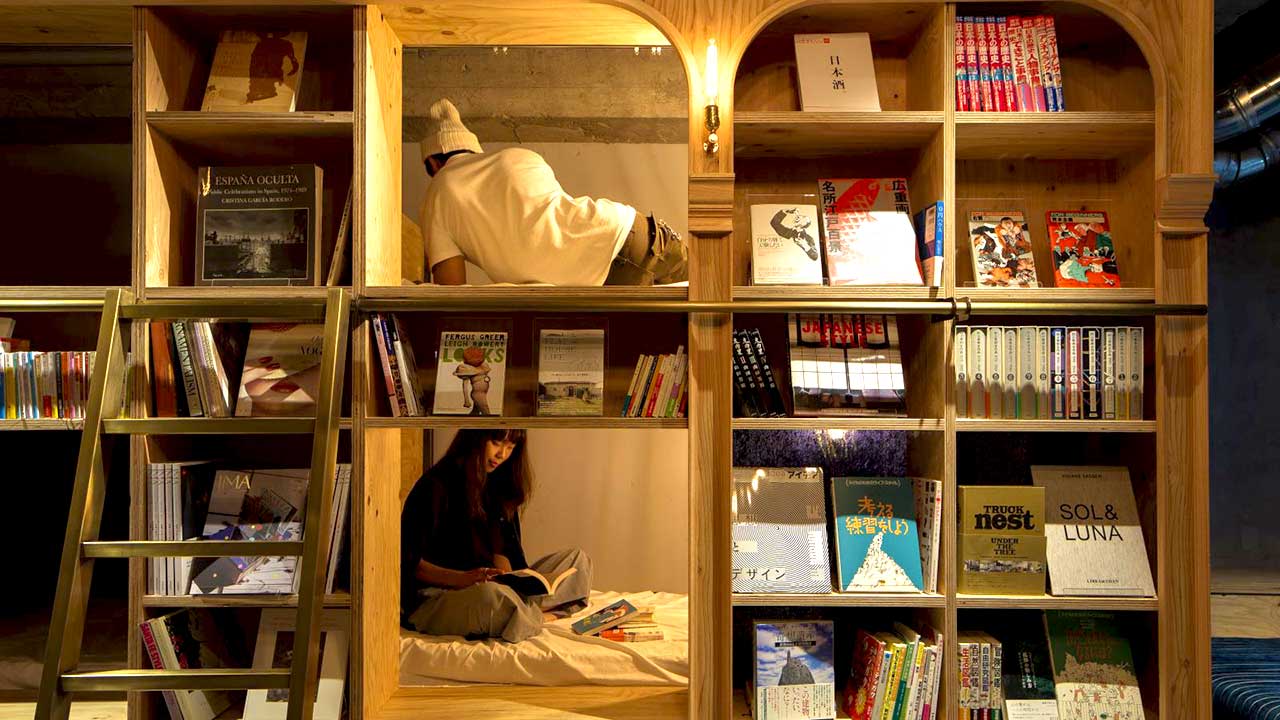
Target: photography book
x=877 y=546
x=470 y=373
x=605 y=618
x=1000 y=245
x=571 y=372
x=779 y=520
x=786 y=247
x=1084 y=254
x=281 y=375
x=531 y=583
x=836 y=73
x=255 y=71
x=869 y=237
x=191 y=639
x=794 y=673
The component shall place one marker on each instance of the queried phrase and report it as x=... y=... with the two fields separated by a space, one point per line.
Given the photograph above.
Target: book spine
x=153 y=655
x=4 y=395
x=1026 y=373
x=1109 y=373
x=189 y=387
x=997 y=68
x=1074 y=396
x=647 y=386
x=1006 y=65
x=753 y=387
x=978 y=407
x=637 y=399
x=1122 y=373
x=1136 y=370
x=384 y=357
x=403 y=384
x=960 y=353
x=1011 y=372
x=173 y=521
x=206 y=376
x=984 y=64
x=631 y=389
x=995 y=372
x=777 y=407
x=741 y=401
x=198 y=365
x=1034 y=67
x=984 y=675
x=891 y=687
x=1042 y=373
x=388 y=335
x=961 y=71
x=659 y=375
x=971 y=64
x=1018 y=62
x=1055 y=68
x=669 y=386
x=965 y=668
x=166 y=403
x=997 y=681
x=1046 y=63
x=1058 y=372
x=153 y=532
x=1091 y=372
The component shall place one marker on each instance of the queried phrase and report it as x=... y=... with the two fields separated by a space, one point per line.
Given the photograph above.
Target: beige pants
x=652 y=253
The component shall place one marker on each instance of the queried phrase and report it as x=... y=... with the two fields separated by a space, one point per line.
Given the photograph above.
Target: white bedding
x=557 y=656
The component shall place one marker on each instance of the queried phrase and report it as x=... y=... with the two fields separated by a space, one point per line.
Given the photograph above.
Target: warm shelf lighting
x=711 y=92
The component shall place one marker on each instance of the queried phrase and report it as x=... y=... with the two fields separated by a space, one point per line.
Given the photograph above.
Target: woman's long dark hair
x=508 y=487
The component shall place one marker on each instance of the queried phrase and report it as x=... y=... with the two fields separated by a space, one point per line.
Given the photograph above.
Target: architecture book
x=869 y=237
x=258 y=225
x=571 y=372
x=1084 y=254
x=471 y=373
x=836 y=73
x=1095 y=541
x=1093 y=669
x=1000 y=245
x=846 y=365
x=794 y=672
x=877 y=545
x=191 y=639
x=780 y=530
x=255 y=71
x=786 y=248
x=281 y=375
x=1002 y=541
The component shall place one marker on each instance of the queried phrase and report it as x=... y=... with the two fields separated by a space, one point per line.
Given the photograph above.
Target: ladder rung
x=201 y=679
x=191 y=548
x=227 y=309
x=210 y=426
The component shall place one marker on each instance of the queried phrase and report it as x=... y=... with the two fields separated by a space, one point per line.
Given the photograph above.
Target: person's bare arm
x=444 y=577
x=450 y=272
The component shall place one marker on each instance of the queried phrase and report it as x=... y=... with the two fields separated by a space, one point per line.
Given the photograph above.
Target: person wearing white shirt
x=506 y=213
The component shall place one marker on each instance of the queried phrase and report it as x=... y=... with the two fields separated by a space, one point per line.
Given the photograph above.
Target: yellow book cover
x=1002 y=540
x=255 y=72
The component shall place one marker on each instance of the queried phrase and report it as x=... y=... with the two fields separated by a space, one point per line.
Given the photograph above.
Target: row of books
x=51 y=384
x=195 y=367
x=399 y=368
x=885 y=532
x=867 y=236
x=208 y=501
x=1084 y=254
x=1008 y=64
x=1049 y=373
x=659 y=386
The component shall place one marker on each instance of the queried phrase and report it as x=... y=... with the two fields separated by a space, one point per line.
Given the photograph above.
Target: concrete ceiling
x=1226 y=12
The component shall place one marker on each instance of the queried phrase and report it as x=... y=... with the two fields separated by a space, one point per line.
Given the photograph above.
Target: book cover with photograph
x=258 y=225
x=877 y=545
x=779 y=517
x=571 y=372
x=1000 y=245
x=470 y=373
x=255 y=71
x=794 y=672
x=846 y=365
x=785 y=245
x=868 y=231
x=1002 y=542
x=1083 y=253
x=281 y=375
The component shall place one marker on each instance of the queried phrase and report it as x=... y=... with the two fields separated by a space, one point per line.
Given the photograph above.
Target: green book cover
x=1093 y=666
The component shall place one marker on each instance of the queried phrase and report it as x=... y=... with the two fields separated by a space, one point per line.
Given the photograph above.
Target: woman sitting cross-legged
x=460 y=528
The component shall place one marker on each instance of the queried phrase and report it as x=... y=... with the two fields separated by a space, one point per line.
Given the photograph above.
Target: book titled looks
x=255 y=72
x=836 y=73
x=471 y=373
x=1083 y=252
x=869 y=237
x=1095 y=543
x=785 y=247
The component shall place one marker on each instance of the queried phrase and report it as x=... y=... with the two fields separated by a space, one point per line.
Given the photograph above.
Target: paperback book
x=836 y=73
x=869 y=237
x=1083 y=252
x=571 y=372
x=793 y=675
x=471 y=373
x=877 y=544
x=605 y=618
x=1000 y=246
x=255 y=72
x=755 y=387
x=1093 y=670
x=281 y=375
x=779 y=531
x=531 y=583
x=785 y=246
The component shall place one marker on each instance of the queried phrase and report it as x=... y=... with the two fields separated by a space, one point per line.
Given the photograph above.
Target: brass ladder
x=81 y=546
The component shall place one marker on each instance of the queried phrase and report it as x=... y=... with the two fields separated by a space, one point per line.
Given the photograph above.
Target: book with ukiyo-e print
x=1000 y=245
x=255 y=72
x=470 y=373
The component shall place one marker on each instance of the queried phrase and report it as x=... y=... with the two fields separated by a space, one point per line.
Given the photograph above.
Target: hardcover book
x=846 y=365
x=930 y=244
x=1083 y=252
x=258 y=225
x=1093 y=669
x=1002 y=542
x=255 y=72
x=780 y=531
x=877 y=544
x=785 y=247
x=794 y=673
x=836 y=73
x=1095 y=541
x=191 y=639
x=1000 y=245
x=281 y=375
x=471 y=373
x=869 y=237
x=571 y=372
x=928 y=496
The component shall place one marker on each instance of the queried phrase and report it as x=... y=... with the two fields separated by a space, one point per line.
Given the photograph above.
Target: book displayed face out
x=794 y=669
x=256 y=72
x=780 y=531
x=471 y=373
x=877 y=544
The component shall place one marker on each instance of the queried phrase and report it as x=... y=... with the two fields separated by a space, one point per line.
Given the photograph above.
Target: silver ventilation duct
x=1231 y=166
x=1249 y=102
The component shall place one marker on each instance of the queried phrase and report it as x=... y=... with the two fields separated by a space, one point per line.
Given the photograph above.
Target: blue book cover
x=877 y=541
x=929 y=243
x=611 y=616
x=795 y=672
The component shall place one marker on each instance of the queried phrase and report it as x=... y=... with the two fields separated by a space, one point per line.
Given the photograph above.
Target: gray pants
x=492 y=610
x=652 y=253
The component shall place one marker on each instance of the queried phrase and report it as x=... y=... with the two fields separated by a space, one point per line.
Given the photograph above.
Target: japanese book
x=897 y=661
x=754 y=343
x=1136 y=369
x=1093 y=670
x=1091 y=373
x=1035 y=64
x=1006 y=65
x=864 y=691
x=1018 y=60
x=978 y=406
x=255 y=72
x=1096 y=545
x=1000 y=246
x=1047 y=36
x=1122 y=373
x=571 y=372
x=1108 y=370
x=846 y=365
x=961 y=71
x=908 y=683
x=928 y=496
x=984 y=64
x=1083 y=252
x=1073 y=360
x=1011 y=382
x=966 y=696
x=1026 y=672
x=930 y=244
x=471 y=373
x=995 y=701
x=281 y=374
x=794 y=672
x=960 y=355
x=779 y=520
x=1002 y=540
x=995 y=372
x=971 y=64
x=1058 y=373
x=605 y=618
x=836 y=73
x=877 y=543
x=258 y=225
x=1026 y=387
x=997 y=65
x=406 y=363
x=785 y=247
x=869 y=237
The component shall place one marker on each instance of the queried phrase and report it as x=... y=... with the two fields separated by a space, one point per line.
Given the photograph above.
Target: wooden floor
x=83 y=710
x=534 y=703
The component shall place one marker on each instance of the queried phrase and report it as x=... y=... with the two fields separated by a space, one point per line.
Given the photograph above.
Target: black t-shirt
x=436 y=526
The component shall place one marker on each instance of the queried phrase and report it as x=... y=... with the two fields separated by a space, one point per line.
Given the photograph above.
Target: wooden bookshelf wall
x=1135 y=142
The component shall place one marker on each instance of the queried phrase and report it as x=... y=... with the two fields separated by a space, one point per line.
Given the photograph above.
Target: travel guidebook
x=255 y=72
x=794 y=674
x=780 y=531
x=877 y=545
x=471 y=373
x=281 y=375
x=869 y=236
x=1000 y=246
x=1083 y=252
x=571 y=372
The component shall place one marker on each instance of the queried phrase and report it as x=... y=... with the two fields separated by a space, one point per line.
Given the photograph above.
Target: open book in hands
x=531 y=583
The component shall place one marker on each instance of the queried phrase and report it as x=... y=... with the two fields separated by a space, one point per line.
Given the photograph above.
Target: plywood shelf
x=840 y=423
x=265 y=293
x=1051 y=602
x=791 y=134
x=512 y=297
x=541 y=423
x=1063 y=426
x=1064 y=135
x=1137 y=296
x=203 y=128
x=18 y=424
x=838 y=600
x=336 y=600
x=842 y=292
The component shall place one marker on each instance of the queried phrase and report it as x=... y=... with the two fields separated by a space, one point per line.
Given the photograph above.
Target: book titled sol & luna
x=471 y=373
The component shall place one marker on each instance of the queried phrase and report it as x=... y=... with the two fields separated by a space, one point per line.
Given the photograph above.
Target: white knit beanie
x=445 y=131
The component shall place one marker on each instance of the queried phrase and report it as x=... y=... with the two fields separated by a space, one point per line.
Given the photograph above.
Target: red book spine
x=1034 y=74
x=1018 y=59
x=1006 y=65
x=962 y=72
x=984 y=65
x=997 y=69
x=971 y=64
x=1055 y=69
x=153 y=654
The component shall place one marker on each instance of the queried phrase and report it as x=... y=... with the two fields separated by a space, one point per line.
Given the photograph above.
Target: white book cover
x=1095 y=540
x=779 y=525
x=1011 y=373
x=836 y=73
x=1027 y=372
x=978 y=372
x=785 y=247
x=571 y=372
x=995 y=372
x=960 y=352
x=928 y=494
x=154 y=479
x=471 y=373
x=1042 y=373
x=868 y=232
